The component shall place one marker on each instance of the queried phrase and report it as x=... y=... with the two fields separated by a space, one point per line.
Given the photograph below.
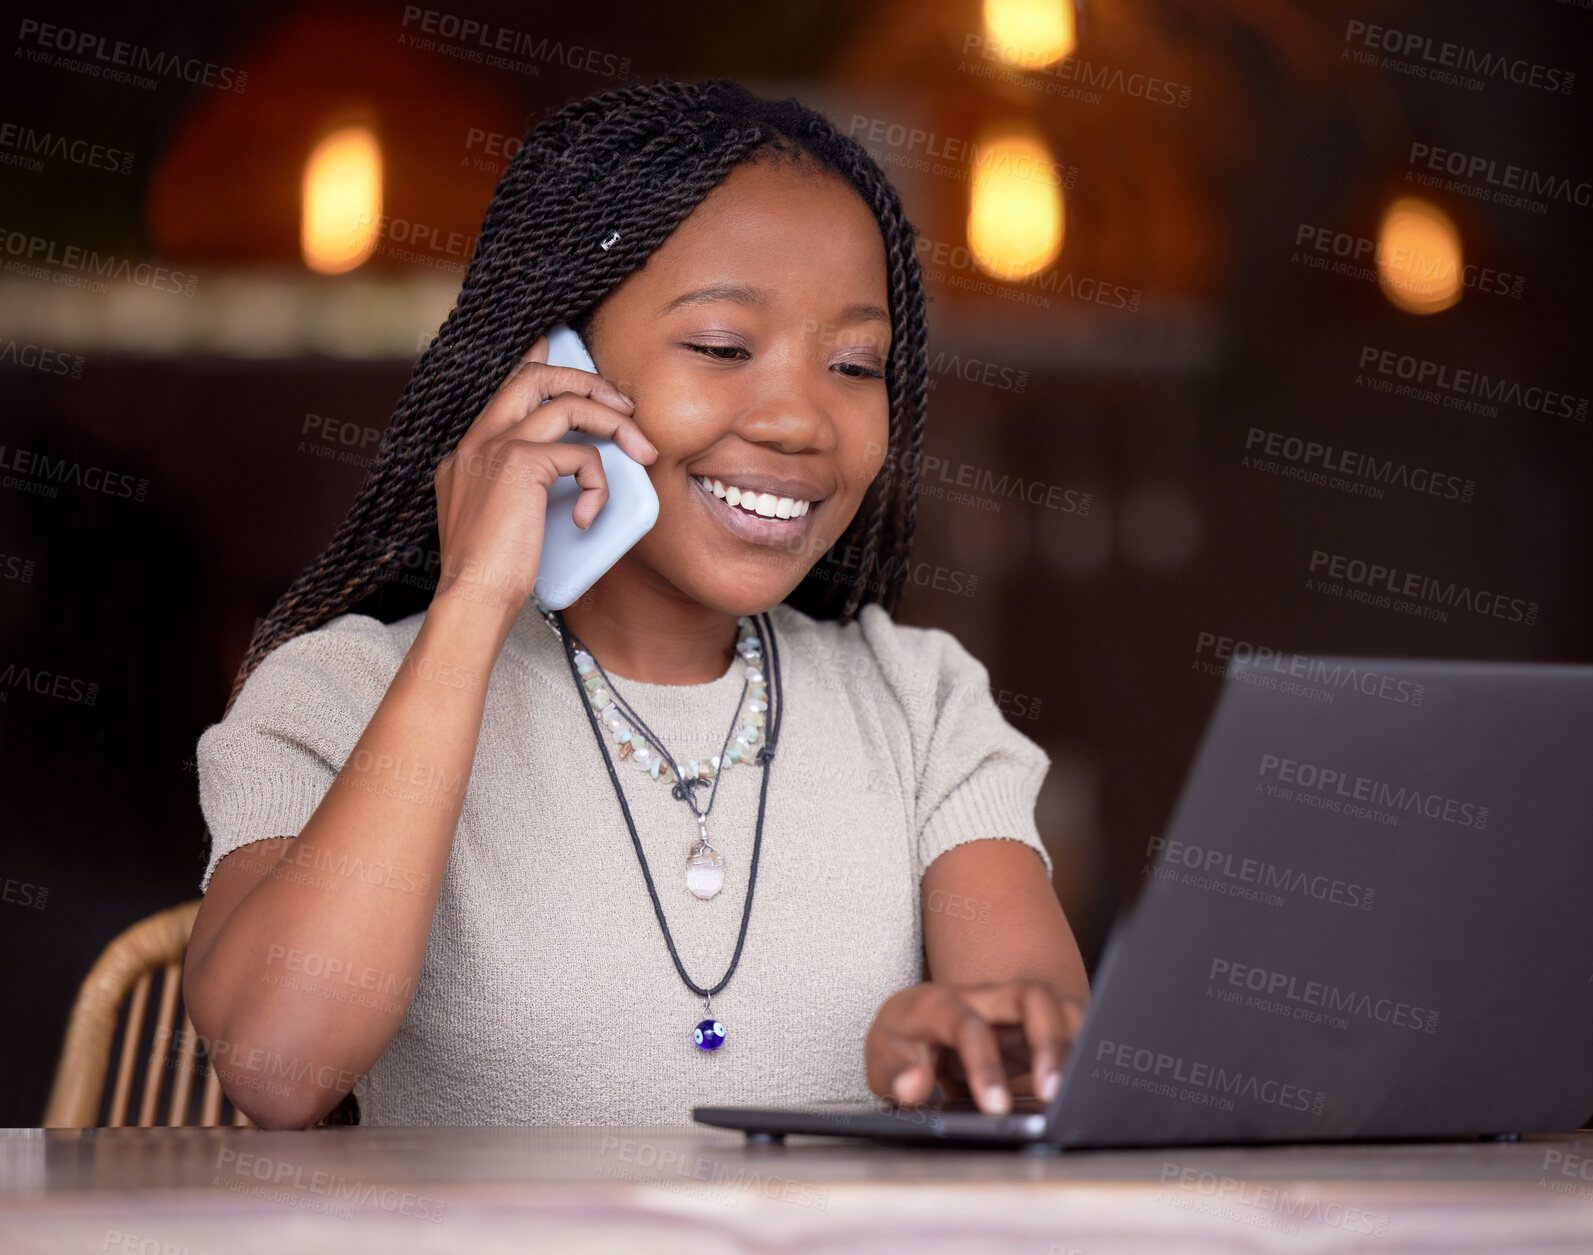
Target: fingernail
x=1050 y=1084
x=996 y=1102
x=652 y=446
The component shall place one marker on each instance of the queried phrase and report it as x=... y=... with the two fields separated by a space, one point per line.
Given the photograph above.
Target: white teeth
x=762 y=503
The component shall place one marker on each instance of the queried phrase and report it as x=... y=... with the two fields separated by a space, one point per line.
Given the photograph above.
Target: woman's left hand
x=985 y=1041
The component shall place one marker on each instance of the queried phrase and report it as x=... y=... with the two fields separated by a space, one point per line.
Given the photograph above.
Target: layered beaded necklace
x=636 y=742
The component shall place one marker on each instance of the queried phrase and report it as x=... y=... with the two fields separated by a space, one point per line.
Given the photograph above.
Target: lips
x=754 y=528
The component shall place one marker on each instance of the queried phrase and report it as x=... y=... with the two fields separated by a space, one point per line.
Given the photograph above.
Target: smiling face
x=754 y=343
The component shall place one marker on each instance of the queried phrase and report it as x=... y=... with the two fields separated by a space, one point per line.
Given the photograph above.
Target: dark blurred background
x=1275 y=284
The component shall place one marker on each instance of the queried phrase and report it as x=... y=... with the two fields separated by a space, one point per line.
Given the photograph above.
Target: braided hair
x=637 y=160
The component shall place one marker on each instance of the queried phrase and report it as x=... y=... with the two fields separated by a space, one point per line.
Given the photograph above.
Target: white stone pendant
x=705 y=870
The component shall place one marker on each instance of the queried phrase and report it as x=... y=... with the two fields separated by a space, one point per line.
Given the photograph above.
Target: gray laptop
x=1370 y=917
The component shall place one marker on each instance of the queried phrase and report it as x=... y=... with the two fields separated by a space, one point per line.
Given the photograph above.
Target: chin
x=752 y=588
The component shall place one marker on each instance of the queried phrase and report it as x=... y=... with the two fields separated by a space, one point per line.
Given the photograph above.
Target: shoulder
x=342 y=662
x=918 y=667
x=355 y=639
x=914 y=652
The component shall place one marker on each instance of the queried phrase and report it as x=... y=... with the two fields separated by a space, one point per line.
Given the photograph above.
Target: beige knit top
x=547 y=995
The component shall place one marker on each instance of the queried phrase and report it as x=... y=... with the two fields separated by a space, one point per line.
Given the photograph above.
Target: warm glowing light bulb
x=1418 y=256
x=1015 y=220
x=1031 y=34
x=342 y=201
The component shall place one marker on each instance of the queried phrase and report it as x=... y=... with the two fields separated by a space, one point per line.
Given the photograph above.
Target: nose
x=785 y=404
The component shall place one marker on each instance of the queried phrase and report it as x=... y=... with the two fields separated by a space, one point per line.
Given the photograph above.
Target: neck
x=652 y=635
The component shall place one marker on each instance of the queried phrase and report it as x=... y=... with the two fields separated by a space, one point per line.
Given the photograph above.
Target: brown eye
x=864 y=372
x=714 y=350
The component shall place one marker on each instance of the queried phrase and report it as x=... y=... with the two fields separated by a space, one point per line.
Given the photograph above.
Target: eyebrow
x=742 y=294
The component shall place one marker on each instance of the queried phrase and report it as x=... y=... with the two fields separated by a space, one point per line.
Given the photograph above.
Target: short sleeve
x=978 y=777
x=266 y=766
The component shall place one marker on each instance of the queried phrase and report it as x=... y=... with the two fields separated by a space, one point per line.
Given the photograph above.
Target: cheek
x=869 y=444
x=679 y=414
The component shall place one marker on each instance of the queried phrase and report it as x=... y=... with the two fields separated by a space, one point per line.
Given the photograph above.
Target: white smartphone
x=572 y=559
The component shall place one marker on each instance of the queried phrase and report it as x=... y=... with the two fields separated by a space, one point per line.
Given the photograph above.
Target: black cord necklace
x=710 y=1033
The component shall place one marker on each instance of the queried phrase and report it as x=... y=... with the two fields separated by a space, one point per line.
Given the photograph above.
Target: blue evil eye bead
x=710 y=1035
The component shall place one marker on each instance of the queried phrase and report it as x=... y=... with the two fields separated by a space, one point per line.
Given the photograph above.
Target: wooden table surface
x=372 y=1191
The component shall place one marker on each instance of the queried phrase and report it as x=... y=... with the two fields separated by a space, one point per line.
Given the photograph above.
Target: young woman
x=436 y=885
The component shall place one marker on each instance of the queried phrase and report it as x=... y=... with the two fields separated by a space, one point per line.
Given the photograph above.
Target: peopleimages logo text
x=1373 y=792
x=1251 y=871
x=280 y=1173
x=1423 y=372
x=984 y=161
x=1316 y=993
x=27 y=141
x=1406 y=266
x=37 y=250
x=1333 y=460
x=99 y=51
x=1167 y=1069
x=64 y=470
x=1337 y=674
x=491 y=39
x=1426 y=588
x=1509 y=177
x=1458 y=57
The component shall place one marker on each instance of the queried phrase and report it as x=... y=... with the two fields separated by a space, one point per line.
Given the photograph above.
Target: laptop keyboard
x=1020 y=1106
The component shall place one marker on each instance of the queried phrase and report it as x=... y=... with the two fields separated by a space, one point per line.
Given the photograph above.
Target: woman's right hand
x=492 y=490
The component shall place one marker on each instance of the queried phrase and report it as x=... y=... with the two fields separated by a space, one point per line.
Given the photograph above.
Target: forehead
x=803 y=233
